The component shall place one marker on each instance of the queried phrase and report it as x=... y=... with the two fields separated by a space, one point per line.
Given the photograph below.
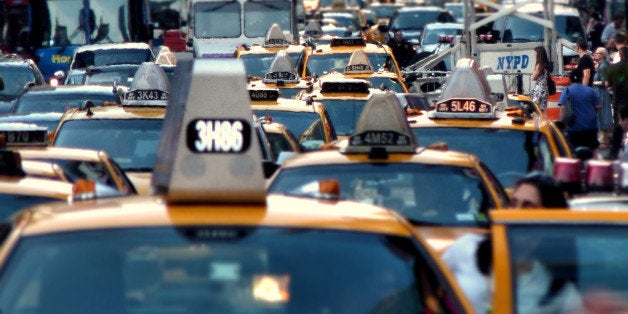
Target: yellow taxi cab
x=130 y=132
x=209 y=240
x=510 y=142
x=445 y=194
x=344 y=99
x=563 y=261
x=360 y=67
x=280 y=138
x=317 y=60
x=257 y=58
x=19 y=190
x=308 y=120
x=283 y=76
x=64 y=164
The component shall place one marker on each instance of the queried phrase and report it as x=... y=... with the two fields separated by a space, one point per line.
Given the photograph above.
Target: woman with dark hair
x=538 y=190
x=540 y=74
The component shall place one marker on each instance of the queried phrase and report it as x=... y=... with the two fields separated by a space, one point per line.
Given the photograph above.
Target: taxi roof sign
x=467 y=94
x=150 y=87
x=359 y=63
x=382 y=125
x=208 y=151
x=347 y=41
x=281 y=69
x=264 y=94
x=23 y=134
x=275 y=37
x=346 y=86
x=313 y=28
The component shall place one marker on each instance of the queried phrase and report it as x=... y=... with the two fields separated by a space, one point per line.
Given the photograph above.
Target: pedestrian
x=617 y=83
x=620 y=40
x=585 y=64
x=585 y=103
x=470 y=257
x=595 y=27
x=540 y=75
x=401 y=49
x=605 y=114
x=611 y=29
x=622 y=112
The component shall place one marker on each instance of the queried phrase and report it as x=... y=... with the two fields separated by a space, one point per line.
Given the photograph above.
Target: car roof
x=438 y=25
x=279 y=211
x=71 y=89
x=115 y=112
x=127 y=45
x=421 y=9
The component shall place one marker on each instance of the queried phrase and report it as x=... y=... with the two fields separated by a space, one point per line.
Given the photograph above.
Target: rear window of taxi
x=510 y=154
x=218 y=270
x=425 y=194
x=319 y=64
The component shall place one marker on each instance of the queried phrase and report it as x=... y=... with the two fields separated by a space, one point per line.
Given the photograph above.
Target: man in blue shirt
x=585 y=102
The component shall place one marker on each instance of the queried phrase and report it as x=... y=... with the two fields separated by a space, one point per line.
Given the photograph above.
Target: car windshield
x=257 y=64
x=431 y=35
x=390 y=83
x=306 y=126
x=65 y=22
x=521 y=30
x=383 y=11
x=416 y=20
x=344 y=113
x=588 y=258
x=516 y=156
x=319 y=64
x=217 y=19
x=58 y=102
x=122 y=77
x=83 y=169
x=100 y=57
x=132 y=143
x=260 y=15
x=217 y=269
x=15 y=79
x=425 y=194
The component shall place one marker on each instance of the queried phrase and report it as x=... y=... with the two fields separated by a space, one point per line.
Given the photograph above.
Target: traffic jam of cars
x=319 y=156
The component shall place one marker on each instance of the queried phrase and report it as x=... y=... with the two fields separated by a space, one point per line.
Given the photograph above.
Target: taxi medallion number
x=286 y=76
x=25 y=137
x=154 y=94
x=463 y=105
x=218 y=136
x=389 y=138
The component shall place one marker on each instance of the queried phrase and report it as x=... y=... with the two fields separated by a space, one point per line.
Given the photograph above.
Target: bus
x=216 y=27
x=50 y=30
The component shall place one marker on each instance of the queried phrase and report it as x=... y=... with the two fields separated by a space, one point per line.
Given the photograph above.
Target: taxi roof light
x=208 y=151
x=281 y=70
x=467 y=94
x=275 y=37
x=358 y=63
x=382 y=128
x=150 y=87
x=313 y=28
x=347 y=41
x=264 y=94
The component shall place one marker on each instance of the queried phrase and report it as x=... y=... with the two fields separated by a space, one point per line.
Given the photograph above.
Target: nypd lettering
x=222 y=136
x=513 y=62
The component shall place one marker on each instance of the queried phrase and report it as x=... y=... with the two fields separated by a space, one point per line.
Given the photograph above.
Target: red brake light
x=599 y=176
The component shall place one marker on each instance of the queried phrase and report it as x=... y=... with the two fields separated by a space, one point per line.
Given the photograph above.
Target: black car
x=44 y=105
x=16 y=73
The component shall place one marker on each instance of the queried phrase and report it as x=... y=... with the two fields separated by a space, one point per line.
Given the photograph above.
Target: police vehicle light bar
x=382 y=126
x=358 y=63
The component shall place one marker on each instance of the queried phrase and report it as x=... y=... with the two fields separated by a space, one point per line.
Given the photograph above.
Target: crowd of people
x=598 y=90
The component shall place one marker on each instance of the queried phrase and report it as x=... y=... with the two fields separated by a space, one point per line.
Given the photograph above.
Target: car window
x=221 y=270
x=425 y=194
